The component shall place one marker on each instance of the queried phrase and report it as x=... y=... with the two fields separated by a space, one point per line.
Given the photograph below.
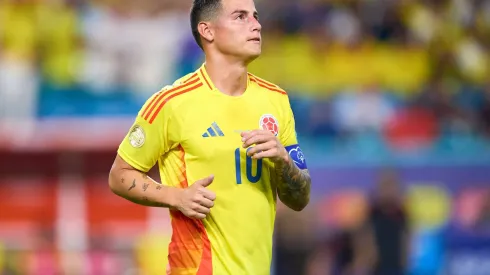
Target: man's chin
x=252 y=55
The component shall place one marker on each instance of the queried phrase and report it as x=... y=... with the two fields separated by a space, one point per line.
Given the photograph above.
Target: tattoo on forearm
x=293 y=185
x=132 y=185
x=149 y=199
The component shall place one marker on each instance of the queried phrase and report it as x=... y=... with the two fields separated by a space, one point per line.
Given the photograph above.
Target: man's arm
x=293 y=183
x=133 y=185
x=127 y=182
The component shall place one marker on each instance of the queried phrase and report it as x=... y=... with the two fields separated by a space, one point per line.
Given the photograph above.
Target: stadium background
x=375 y=85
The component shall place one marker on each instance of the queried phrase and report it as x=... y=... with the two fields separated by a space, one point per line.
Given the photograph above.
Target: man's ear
x=206 y=31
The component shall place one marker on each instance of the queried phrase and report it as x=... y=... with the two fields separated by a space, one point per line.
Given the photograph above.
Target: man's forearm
x=293 y=184
x=141 y=189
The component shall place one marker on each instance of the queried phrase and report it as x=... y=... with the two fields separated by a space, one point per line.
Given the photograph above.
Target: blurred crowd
x=97 y=47
x=41 y=256
x=380 y=64
x=349 y=66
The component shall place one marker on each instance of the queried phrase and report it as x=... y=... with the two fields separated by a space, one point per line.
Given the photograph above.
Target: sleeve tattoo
x=133 y=185
x=146 y=182
x=293 y=185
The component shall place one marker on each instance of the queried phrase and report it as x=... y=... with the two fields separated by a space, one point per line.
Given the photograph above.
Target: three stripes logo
x=213 y=131
x=161 y=98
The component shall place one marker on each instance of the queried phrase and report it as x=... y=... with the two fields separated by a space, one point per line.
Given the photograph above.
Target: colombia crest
x=269 y=122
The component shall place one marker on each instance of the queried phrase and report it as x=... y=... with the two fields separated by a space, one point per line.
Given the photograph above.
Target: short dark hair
x=202 y=10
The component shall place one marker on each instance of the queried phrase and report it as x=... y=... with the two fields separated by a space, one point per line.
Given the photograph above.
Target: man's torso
x=236 y=238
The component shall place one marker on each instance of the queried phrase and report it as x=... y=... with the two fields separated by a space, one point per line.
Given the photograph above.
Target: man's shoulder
x=190 y=77
x=171 y=95
x=184 y=85
x=266 y=85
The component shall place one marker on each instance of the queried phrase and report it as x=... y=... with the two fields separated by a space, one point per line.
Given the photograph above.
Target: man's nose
x=256 y=26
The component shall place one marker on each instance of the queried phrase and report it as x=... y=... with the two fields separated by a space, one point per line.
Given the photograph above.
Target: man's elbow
x=114 y=183
x=297 y=204
x=302 y=205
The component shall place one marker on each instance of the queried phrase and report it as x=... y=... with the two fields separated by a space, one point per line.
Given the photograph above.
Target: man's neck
x=229 y=77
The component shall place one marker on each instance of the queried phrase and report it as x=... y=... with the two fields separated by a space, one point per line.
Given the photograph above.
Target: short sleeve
x=148 y=137
x=288 y=135
x=289 y=138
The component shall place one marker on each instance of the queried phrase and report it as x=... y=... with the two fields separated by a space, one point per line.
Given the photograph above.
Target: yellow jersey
x=193 y=130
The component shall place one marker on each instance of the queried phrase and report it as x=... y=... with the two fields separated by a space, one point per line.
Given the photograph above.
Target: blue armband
x=297 y=155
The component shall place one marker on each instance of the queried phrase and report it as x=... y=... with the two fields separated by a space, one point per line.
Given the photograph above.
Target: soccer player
x=226 y=148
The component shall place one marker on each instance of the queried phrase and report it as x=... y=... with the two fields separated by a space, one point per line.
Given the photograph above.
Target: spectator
x=347 y=252
x=388 y=224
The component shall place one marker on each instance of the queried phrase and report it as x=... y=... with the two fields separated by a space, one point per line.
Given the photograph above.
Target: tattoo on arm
x=132 y=185
x=293 y=185
x=149 y=198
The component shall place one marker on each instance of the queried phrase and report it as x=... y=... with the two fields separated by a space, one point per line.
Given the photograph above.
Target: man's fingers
x=248 y=135
x=257 y=139
x=261 y=147
x=253 y=132
x=199 y=216
x=208 y=194
x=265 y=154
x=201 y=209
x=206 y=202
x=205 y=182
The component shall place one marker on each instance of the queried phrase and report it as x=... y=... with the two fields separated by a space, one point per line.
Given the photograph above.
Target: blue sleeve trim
x=297 y=156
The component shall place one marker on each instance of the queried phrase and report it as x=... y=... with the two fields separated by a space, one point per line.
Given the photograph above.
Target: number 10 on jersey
x=249 y=163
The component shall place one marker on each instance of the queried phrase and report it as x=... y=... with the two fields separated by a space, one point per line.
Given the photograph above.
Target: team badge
x=269 y=122
x=137 y=136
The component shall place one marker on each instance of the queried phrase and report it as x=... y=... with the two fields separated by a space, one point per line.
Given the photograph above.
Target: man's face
x=388 y=189
x=237 y=29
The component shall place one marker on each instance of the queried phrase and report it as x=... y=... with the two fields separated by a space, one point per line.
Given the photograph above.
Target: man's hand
x=266 y=145
x=293 y=184
x=196 y=201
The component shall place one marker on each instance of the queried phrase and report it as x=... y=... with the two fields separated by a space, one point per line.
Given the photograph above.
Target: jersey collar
x=203 y=74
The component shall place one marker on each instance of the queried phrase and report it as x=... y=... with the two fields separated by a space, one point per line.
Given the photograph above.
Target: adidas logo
x=213 y=131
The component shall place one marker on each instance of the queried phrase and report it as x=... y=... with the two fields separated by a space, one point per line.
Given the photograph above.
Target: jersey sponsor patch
x=297 y=156
x=136 y=136
x=269 y=122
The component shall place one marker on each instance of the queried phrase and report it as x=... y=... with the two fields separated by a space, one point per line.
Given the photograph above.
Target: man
x=388 y=227
x=226 y=147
